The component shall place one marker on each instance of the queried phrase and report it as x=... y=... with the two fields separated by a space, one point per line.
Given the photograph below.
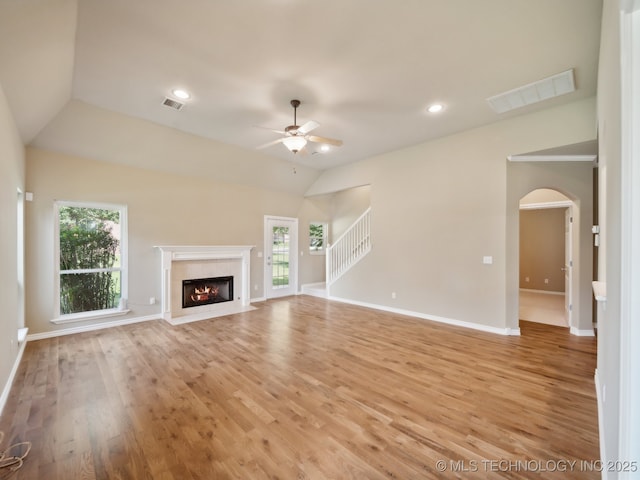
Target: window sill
x=81 y=317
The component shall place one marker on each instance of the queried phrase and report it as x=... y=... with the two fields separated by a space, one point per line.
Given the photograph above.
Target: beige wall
x=339 y=210
x=346 y=206
x=312 y=267
x=11 y=179
x=440 y=207
x=163 y=209
x=542 y=241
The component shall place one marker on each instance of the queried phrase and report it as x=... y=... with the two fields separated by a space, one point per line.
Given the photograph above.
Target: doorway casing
x=291 y=225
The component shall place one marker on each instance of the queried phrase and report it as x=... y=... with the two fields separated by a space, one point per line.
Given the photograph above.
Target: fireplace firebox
x=205 y=291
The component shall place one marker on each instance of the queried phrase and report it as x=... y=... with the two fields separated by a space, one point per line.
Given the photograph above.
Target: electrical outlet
x=546 y=280
x=152 y=300
x=255 y=287
x=526 y=279
x=393 y=295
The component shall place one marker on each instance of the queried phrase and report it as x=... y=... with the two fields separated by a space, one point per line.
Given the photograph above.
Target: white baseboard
x=259 y=299
x=90 y=328
x=433 y=318
x=12 y=375
x=603 y=454
x=588 y=332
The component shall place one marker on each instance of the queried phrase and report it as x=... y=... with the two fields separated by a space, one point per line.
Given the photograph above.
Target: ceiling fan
x=296 y=137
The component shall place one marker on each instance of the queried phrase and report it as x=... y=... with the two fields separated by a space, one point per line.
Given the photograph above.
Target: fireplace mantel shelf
x=203 y=253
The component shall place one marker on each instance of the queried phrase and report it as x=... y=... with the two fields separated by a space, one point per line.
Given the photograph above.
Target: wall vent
x=169 y=102
x=553 y=86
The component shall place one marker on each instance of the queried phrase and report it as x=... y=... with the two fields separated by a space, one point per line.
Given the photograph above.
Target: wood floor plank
x=304 y=388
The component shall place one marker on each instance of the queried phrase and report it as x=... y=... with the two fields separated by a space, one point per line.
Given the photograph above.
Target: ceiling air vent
x=535 y=92
x=168 y=102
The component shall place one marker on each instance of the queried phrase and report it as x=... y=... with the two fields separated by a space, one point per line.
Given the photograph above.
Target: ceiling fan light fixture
x=294 y=143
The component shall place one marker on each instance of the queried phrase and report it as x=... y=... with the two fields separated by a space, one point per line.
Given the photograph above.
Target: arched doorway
x=545 y=266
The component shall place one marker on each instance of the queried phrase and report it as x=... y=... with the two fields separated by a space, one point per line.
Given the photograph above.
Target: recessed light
x=325 y=148
x=435 y=108
x=183 y=94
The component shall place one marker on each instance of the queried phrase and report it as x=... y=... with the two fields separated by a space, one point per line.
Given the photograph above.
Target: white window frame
x=123 y=269
x=325 y=237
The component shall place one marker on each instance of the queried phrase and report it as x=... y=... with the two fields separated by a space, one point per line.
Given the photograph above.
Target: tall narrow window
x=91 y=260
x=280 y=262
x=318 y=234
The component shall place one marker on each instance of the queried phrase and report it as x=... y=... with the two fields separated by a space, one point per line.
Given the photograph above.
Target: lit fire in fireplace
x=204 y=294
x=204 y=291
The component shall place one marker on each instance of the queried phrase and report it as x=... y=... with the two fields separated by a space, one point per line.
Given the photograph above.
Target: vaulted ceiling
x=85 y=76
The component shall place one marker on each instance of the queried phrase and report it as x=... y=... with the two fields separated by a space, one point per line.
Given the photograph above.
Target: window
x=318 y=235
x=91 y=260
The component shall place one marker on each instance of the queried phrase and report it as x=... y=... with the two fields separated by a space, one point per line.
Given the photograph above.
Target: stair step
x=315 y=289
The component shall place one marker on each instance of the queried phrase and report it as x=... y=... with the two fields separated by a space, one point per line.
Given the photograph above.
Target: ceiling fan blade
x=281 y=132
x=307 y=127
x=330 y=141
x=269 y=144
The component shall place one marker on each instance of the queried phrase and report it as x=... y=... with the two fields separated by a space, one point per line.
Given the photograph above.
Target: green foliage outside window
x=89 y=259
x=317 y=236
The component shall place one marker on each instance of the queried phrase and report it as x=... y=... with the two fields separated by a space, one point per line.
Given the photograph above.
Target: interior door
x=281 y=266
x=568 y=263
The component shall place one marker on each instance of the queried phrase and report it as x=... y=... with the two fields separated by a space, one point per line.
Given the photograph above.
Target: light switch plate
x=487 y=260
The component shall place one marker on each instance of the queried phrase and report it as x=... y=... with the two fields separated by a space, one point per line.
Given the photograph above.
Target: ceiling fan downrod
x=295 y=104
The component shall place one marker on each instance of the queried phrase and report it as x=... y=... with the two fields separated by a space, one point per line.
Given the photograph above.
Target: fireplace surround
x=183 y=263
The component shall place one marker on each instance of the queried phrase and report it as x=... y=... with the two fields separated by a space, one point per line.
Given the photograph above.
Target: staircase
x=344 y=253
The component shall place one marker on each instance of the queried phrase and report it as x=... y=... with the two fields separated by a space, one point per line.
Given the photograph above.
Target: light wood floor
x=302 y=388
x=542 y=307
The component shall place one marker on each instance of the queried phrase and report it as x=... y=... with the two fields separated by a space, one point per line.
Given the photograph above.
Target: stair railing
x=349 y=248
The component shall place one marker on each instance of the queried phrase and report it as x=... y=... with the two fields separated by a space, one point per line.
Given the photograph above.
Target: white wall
x=542 y=195
x=11 y=179
x=609 y=261
x=438 y=208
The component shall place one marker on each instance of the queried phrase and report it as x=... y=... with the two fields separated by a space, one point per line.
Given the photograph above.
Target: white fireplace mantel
x=182 y=253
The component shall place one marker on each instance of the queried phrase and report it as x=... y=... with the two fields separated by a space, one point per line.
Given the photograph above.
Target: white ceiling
x=364 y=69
